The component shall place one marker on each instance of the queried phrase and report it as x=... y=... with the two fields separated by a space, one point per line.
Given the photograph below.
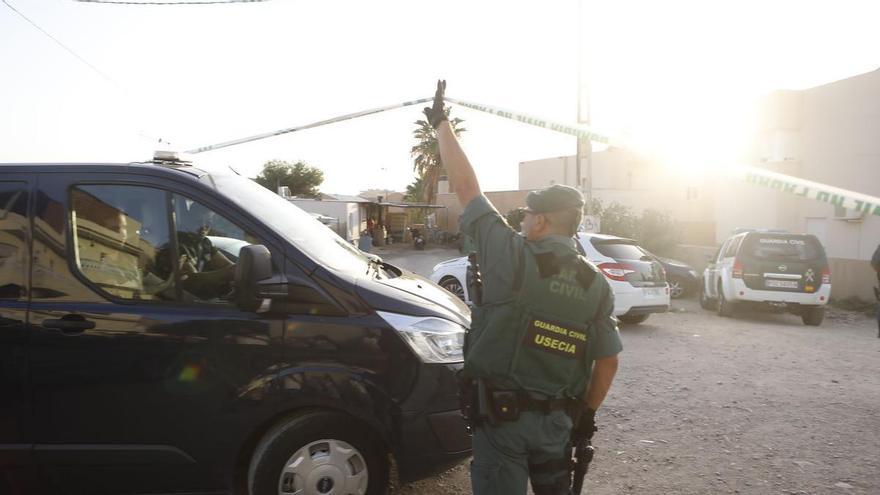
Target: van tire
x=725 y=308
x=813 y=316
x=298 y=431
x=706 y=302
x=633 y=319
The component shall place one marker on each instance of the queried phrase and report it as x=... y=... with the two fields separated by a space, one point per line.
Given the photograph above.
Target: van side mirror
x=254 y=265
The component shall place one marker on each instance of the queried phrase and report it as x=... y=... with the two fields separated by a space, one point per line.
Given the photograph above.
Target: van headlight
x=435 y=340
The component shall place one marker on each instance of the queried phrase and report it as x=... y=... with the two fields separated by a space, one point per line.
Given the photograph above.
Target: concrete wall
x=852 y=278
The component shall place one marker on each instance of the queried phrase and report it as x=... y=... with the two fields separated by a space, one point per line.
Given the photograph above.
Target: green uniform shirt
x=498 y=250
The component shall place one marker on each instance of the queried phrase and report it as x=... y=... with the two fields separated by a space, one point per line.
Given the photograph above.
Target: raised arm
x=461 y=173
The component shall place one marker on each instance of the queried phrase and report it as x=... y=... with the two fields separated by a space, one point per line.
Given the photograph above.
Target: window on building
x=692 y=193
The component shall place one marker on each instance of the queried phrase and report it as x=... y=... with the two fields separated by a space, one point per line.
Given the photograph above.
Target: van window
x=13 y=239
x=293 y=224
x=123 y=244
x=783 y=247
x=119 y=233
x=208 y=246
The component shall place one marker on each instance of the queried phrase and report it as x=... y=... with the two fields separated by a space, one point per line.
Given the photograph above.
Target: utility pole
x=584 y=158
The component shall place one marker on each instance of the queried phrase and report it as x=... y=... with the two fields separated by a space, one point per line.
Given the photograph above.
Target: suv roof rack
x=765 y=231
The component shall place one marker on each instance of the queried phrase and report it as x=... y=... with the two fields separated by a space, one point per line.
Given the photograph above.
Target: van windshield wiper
x=375 y=263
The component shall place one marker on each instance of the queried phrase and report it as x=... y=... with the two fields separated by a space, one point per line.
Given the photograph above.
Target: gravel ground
x=757 y=403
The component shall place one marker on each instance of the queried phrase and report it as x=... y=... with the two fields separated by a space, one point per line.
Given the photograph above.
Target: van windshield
x=782 y=247
x=296 y=226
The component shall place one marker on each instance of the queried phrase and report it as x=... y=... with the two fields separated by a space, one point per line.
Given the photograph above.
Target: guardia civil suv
x=768 y=270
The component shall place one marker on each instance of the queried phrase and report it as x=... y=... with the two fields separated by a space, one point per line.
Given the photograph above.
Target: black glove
x=437 y=113
x=585 y=427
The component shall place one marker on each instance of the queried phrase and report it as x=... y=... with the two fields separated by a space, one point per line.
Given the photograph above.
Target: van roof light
x=170 y=157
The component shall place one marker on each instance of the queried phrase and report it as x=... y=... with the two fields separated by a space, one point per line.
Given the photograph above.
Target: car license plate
x=782 y=284
x=654 y=292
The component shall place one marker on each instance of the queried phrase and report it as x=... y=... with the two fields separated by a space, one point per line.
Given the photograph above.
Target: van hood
x=413 y=294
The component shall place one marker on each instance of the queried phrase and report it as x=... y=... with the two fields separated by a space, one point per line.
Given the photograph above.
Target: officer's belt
x=528 y=403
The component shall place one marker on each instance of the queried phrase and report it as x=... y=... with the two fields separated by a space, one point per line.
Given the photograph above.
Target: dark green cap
x=554 y=198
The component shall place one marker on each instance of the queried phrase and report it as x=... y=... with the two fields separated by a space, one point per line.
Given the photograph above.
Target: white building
x=349 y=211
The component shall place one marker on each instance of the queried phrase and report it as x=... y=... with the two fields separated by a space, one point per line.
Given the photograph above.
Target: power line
x=81 y=59
x=62 y=45
x=170 y=2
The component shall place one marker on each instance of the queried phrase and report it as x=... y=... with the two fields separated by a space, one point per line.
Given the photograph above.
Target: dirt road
x=753 y=404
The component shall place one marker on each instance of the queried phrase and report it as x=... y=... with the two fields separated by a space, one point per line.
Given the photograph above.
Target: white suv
x=769 y=269
x=636 y=278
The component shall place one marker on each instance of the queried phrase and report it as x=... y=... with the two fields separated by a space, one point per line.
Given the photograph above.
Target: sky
x=681 y=75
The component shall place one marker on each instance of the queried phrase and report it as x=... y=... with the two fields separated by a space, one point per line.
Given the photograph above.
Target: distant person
x=365 y=243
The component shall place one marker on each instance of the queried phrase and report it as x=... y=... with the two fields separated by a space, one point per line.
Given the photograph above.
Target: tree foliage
x=303 y=180
x=654 y=230
x=415 y=192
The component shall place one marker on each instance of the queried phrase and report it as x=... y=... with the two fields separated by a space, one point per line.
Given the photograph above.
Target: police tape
x=851 y=200
x=577 y=131
x=333 y=120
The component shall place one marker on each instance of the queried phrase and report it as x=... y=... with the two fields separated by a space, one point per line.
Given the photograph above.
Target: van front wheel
x=318 y=452
x=813 y=316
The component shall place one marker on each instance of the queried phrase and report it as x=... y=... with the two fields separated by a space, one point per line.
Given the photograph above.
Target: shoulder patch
x=548 y=264
x=586 y=272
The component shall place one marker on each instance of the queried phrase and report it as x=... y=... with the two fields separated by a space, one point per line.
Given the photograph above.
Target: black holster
x=475 y=402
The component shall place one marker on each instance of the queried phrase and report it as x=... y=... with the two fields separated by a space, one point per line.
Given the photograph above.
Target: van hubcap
x=324 y=467
x=675 y=290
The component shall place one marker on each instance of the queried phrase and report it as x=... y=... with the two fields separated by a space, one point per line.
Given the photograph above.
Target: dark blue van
x=164 y=329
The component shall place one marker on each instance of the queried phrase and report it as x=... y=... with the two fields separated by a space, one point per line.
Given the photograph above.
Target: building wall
x=348 y=214
x=620 y=176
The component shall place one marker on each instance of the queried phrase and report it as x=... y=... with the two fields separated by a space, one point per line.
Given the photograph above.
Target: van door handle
x=69 y=324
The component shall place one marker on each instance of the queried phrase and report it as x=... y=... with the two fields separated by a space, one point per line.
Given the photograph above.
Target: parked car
x=768 y=270
x=683 y=279
x=160 y=333
x=636 y=278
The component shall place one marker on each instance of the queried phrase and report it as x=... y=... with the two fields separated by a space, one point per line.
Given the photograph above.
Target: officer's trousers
x=503 y=455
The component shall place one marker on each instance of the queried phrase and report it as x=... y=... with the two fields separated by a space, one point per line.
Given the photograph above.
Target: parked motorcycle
x=418 y=239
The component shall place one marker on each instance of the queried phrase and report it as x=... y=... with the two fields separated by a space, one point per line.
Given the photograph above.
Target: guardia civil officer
x=543 y=344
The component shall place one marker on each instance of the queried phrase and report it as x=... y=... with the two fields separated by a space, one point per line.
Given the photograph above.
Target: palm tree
x=427 y=164
x=415 y=192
